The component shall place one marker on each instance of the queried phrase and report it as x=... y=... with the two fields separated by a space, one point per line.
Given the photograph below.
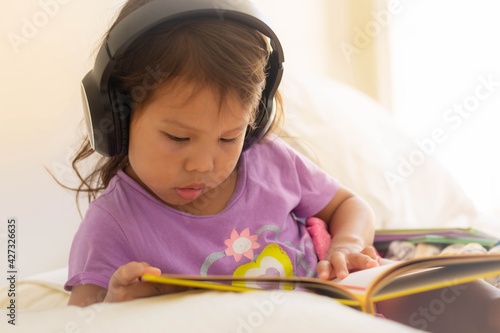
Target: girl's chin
x=181 y=204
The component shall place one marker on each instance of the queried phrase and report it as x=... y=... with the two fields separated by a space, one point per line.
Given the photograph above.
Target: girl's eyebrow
x=177 y=123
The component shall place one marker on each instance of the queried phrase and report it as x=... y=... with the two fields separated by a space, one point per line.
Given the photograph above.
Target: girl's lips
x=189 y=193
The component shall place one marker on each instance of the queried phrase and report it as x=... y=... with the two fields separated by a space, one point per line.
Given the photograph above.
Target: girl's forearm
x=352 y=224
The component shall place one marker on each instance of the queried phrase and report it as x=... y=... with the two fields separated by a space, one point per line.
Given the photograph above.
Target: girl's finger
x=371 y=252
x=130 y=273
x=360 y=261
x=339 y=264
x=324 y=270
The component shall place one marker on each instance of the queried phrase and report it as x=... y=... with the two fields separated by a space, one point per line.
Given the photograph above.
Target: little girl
x=195 y=182
x=181 y=104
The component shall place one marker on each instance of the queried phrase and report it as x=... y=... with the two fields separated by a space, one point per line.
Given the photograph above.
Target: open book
x=361 y=289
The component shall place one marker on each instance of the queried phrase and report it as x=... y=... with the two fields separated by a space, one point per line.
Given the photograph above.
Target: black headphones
x=107 y=110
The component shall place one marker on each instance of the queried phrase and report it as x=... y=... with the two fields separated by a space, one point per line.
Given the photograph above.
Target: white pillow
x=197 y=311
x=40 y=291
x=354 y=139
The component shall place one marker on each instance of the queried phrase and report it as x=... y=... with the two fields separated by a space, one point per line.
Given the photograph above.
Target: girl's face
x=184 y=146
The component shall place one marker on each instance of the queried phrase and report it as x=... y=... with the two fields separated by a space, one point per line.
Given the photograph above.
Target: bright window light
x=445 y=59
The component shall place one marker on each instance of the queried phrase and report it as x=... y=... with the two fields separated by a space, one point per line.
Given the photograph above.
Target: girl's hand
x=125 y=284
x=341 y=260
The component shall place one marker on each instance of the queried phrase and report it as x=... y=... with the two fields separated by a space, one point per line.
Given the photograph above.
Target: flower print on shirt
x=242 y=244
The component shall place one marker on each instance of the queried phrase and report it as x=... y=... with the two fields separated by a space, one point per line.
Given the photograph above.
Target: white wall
x=302 y=27
x=46 y=49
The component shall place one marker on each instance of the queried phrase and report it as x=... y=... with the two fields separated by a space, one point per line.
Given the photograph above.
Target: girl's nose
x=200 y=160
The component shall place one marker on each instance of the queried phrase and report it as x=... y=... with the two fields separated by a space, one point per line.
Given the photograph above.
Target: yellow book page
x=193 y=283
x=219 y=283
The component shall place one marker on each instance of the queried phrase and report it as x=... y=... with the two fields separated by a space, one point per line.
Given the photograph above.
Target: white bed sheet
x=194 y=311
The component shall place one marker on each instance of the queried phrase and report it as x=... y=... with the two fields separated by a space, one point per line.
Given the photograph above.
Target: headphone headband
x=99 y=94
x=153 y=14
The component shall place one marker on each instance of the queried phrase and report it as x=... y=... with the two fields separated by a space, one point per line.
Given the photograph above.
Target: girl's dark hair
x=225 y=55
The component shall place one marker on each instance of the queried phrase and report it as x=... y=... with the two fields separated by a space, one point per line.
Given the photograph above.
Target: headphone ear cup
x=267 y=108
x=121 y=108
x=263 y=121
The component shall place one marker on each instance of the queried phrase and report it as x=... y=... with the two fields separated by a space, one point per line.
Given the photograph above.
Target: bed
x=350 y=136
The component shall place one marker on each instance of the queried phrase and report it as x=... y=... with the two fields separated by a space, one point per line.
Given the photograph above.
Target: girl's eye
x=176 y=139
x=228 y=140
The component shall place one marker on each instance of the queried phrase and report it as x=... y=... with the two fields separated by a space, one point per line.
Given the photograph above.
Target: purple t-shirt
x=258 y=232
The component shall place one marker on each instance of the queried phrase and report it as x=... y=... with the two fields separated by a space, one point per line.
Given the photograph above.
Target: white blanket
x=196 y=311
